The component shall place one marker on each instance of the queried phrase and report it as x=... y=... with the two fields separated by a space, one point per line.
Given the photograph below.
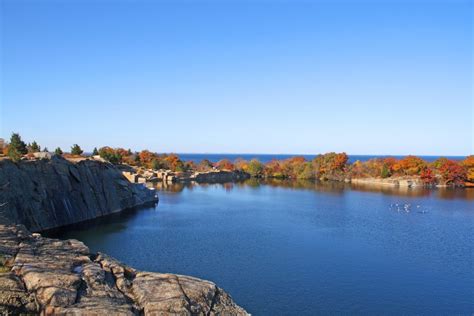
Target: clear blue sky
x=366 y=77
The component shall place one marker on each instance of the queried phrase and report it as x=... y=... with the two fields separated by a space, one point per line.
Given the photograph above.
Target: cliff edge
x=49 y=193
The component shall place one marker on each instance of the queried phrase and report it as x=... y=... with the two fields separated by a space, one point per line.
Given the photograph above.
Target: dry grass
x=3 y=268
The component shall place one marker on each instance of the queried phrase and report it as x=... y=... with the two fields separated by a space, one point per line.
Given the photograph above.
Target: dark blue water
x=303 y=248
x=268 y=157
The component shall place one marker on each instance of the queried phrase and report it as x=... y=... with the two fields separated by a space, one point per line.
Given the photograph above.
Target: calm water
x=268 y=157
x=303 y=248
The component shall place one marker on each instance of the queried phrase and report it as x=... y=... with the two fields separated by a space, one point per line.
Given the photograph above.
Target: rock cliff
x=48 y=276
x=49 y=193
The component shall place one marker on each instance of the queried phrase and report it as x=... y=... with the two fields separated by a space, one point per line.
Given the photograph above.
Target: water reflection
x=336 y=188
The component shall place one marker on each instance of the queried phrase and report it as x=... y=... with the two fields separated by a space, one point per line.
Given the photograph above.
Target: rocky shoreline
x=61 y=277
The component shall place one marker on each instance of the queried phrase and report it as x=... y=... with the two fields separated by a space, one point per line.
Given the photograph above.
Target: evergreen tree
x=95 y=152
x=45 y=149
x=58 y=151
x=76 y=150
x=34 y=147
x=17 y=147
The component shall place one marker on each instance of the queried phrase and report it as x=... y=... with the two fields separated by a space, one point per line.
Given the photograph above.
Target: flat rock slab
x=50 y=276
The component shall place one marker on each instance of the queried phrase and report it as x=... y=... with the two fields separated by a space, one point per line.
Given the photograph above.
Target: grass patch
x=3 y=267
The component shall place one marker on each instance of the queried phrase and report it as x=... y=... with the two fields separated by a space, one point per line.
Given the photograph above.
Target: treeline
x=329 y=166
x=17 y=149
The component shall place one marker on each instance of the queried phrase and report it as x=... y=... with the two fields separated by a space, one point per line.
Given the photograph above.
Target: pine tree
x=95 y=152
x=34 y=147
x=76 y=150
x=17 y=147
x=58 y=151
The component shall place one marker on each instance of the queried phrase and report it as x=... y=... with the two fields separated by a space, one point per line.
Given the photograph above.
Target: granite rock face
x=48 y=276
x=49 y=193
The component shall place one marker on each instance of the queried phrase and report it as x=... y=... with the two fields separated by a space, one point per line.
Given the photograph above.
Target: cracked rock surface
x=49 y=276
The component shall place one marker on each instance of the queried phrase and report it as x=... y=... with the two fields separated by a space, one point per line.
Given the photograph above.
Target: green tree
x=95 y=152
x=155 y=165
x=306 y=172
x=45 y=149
x=110 y=155
x=255 y=168
x=34 y=147
x=137 y=159
x=385 y=171
x=76 y=150
x=58 y=151
x=17 y=147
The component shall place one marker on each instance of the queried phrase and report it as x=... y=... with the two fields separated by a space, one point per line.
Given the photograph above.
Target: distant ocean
x=268 y=157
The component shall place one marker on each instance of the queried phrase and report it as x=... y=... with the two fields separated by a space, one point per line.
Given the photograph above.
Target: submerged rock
x=50 y=276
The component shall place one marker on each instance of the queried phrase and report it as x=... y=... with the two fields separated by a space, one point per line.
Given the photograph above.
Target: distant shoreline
x=214 y=157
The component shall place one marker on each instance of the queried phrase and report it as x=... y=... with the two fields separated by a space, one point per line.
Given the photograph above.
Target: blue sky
x=239 y=76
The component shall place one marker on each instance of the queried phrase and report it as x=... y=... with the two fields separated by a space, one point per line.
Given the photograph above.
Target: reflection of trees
x=391 y=190
x=447 y=193
x=314 y=185
x=175 y=187
x=330 y=187
x=455 y=193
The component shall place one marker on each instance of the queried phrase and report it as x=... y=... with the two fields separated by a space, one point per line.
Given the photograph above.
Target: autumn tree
x=255 y=168
x=225 y=164
x=451 y=172
x=76 y=150
x=17 y=147
x=330 y=166
x=173 y=162
x=428 y=176
x=409 y=166
x=146 y=157
x=468 y=164
x=205 y=165
x=274 y=169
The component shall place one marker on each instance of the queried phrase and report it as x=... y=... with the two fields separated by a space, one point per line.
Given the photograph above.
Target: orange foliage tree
x=225 y=164
x=450 y=172
x=468 y=164
x=409 y=166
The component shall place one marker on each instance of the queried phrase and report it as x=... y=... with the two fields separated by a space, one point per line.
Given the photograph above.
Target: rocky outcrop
x=49 y=193
x=50 y=276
